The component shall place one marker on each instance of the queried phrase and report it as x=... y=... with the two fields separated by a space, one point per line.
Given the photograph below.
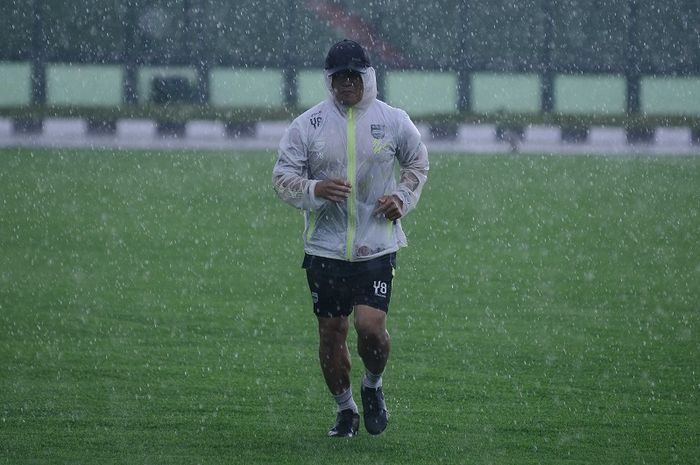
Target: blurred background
x=473 y=56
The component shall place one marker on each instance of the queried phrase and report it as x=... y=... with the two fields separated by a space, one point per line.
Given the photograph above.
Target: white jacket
x=361 y=144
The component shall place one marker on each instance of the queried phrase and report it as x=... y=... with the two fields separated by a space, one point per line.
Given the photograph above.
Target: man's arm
x=290 y=174
x=414 y=165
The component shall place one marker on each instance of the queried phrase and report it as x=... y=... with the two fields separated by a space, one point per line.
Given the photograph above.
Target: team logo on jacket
x=377 y=131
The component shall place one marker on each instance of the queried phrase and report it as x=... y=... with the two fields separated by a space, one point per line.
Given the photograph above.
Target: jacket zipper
x=352 y=205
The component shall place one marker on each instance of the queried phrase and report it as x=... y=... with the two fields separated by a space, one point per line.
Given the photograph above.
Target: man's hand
x=389 y=206
x=335 y=190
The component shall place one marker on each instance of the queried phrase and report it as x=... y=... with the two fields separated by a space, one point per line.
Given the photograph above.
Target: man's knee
x=370 y=323
x=332 y=330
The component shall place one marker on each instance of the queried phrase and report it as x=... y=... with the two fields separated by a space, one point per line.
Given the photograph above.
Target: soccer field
x=153 y=310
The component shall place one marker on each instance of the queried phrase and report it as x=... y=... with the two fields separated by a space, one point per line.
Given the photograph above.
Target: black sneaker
x=374 y=410
x=347 y=423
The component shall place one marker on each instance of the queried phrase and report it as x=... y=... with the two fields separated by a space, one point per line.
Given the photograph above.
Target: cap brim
x=359 y=69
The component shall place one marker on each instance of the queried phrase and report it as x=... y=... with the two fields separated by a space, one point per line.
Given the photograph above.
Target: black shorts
x=337 y=285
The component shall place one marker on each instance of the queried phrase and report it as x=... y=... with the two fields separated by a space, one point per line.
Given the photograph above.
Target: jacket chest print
x=378 y=146
x=378 y=132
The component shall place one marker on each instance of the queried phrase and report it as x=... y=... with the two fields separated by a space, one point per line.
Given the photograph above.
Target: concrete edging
x=265 y=135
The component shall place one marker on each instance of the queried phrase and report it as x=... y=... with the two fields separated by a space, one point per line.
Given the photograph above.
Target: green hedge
x=161 y=113
x=180 y=114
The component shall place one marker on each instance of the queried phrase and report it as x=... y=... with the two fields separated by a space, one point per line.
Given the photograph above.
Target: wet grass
x=152 y=310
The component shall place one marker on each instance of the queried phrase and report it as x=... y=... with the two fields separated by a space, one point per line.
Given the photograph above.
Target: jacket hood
x=369 y=83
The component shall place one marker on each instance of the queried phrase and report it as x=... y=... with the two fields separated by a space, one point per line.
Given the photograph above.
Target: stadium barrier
x=504 y=106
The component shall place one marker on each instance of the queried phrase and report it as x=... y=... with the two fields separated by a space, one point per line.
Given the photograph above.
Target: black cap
x=347 y=54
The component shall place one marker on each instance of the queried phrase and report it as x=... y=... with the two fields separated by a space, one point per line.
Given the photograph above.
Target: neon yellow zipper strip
x=352 y=206
x=312 y=225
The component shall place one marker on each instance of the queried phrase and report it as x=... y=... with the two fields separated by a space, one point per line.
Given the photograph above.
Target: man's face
x=347 y=87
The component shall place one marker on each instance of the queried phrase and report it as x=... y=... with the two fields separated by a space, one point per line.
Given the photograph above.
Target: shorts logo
x=377 y=131
x=314 y=297
x=380 y=288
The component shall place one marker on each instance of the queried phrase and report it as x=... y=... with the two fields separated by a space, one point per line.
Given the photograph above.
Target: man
x=336 y=162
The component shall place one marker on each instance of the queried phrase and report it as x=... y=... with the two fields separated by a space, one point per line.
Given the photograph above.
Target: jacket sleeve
x=290 y=176
x=413 y=161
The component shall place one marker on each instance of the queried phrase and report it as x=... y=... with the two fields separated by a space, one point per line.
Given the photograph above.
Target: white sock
x=372 y=381
x=345 y=401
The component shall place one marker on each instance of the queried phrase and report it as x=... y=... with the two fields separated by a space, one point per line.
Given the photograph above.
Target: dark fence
x=547 y=37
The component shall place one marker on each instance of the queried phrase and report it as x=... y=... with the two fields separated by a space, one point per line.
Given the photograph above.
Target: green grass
x=153 y=310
